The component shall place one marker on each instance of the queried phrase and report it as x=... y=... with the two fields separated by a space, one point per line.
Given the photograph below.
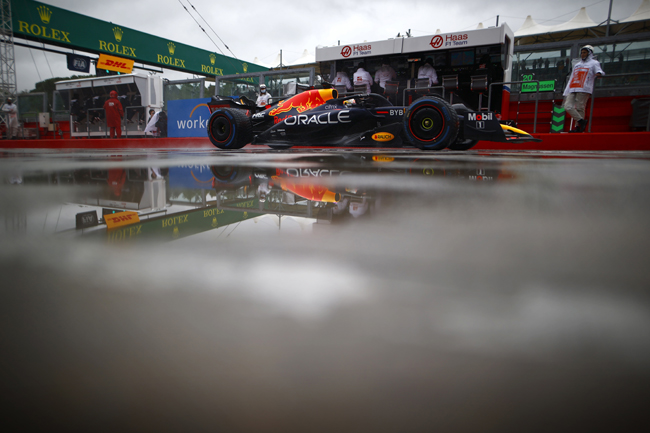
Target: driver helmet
x=113 y=94
x=262 y=88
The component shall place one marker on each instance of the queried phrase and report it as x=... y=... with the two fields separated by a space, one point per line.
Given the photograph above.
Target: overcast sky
x=260 y=29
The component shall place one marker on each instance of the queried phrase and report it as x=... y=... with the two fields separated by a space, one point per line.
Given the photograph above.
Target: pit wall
x=611 y=114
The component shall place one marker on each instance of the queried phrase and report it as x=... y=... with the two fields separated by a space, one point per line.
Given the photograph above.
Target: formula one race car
x=320 y=118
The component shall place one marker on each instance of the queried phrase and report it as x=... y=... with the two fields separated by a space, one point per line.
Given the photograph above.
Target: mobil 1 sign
x=188 y=117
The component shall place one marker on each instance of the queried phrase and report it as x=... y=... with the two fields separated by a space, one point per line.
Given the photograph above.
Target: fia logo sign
x=80 y=64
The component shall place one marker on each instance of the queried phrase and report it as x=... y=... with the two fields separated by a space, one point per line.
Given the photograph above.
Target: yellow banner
x=117 y=64
x=121 y=219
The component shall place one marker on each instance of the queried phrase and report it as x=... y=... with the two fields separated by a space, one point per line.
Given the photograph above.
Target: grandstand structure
x=545 y=54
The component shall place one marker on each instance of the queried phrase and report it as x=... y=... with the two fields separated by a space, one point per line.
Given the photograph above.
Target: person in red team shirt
x=114 y=114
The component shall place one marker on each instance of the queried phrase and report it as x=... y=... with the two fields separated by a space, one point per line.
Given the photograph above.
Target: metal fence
x=622 y=78
x=95 y=122
x=624 y=81
x=183 y=89
x=276 y=81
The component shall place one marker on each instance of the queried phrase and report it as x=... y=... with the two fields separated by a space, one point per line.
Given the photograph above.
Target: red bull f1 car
x=319 y=117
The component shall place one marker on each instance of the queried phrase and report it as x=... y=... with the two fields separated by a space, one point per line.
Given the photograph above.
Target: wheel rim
x=427 y=123
x=221 y=129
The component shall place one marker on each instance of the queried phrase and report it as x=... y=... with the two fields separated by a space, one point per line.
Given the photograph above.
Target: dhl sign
x=121 y=219
x=117 y=64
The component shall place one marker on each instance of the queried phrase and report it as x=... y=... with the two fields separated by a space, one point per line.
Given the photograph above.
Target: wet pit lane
x=394 y=291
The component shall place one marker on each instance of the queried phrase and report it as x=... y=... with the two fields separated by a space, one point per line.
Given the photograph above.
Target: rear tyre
x=431 y=123
x=229 y=129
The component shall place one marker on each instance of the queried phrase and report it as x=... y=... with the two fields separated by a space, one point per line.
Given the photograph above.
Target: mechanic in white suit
x=427 y=71
x=384 y=73
x=342 y=79
x=362 y=77
x=12 y=118
x=581 y=86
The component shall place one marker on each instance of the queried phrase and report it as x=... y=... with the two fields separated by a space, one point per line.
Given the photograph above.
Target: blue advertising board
x=188 y=117
x=191 y=177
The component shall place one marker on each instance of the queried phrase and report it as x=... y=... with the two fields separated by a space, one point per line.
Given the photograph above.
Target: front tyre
x=229 y=129
x=431 y=123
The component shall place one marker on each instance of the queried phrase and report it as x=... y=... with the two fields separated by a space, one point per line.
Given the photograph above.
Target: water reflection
x=169 y=201
x=324 y=291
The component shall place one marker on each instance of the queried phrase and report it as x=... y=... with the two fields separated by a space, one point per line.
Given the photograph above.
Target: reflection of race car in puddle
x=288 y=191
x=343 y=186
x=320 y=118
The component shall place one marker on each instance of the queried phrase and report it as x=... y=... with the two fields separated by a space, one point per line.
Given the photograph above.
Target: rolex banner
x=47 y=24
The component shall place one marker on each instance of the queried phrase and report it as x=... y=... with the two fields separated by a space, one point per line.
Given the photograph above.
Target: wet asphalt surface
x=375 y=290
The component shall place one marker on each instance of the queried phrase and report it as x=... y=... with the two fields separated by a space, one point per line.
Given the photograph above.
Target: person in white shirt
x=12 y=118
x=264 y=99
x=581 y=86
x=342 y=79
x=427 y=71
x=384 y=73
x=362 y=77
x=151 y=126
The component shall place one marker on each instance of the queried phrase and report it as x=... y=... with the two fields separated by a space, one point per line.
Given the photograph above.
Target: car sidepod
x=334 y=127
x=485 y=125
x=482 y=125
